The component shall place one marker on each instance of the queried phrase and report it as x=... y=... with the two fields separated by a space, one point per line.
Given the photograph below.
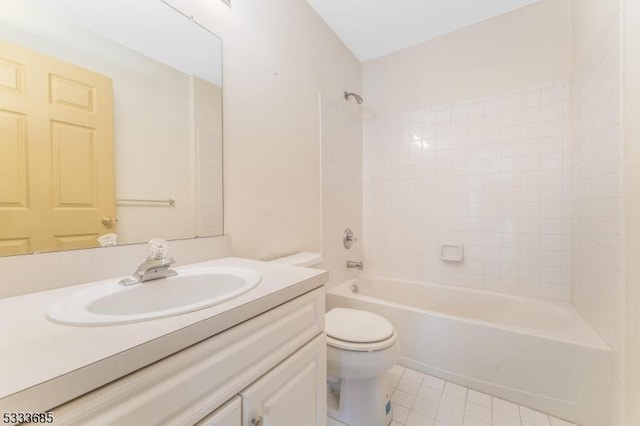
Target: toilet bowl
x=361 y=348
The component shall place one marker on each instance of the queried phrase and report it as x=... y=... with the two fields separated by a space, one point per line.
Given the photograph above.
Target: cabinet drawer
x=185 y=387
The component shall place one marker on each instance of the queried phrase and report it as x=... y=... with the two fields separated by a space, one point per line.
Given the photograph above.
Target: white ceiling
x=374 y=28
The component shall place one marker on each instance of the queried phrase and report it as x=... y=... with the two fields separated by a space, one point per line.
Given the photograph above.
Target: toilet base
x=360 y=402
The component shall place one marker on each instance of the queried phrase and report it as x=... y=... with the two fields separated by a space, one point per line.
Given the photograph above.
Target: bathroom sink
x=109 y=302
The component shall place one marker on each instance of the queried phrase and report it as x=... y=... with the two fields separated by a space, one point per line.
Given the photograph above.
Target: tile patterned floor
x=422 y=400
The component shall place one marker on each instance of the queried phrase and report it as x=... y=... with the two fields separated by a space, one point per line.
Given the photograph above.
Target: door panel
x=15 y=246
x=74 y=166
x=11 y=76
x=72 y=242
x=13 y=160
x=71 y=93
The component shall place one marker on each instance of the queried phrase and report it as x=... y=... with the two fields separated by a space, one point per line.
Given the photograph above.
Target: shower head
x=357 y=97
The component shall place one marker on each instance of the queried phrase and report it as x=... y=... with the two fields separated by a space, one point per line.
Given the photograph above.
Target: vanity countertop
x=43 y=364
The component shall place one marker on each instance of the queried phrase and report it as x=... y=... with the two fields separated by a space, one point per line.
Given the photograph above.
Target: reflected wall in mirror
x=110 y=122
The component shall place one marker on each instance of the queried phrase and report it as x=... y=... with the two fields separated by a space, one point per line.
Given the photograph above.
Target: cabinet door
x=293 y=393
x=230 y=414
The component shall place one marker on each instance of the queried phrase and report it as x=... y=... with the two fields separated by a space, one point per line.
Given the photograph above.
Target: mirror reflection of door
x=57 y=185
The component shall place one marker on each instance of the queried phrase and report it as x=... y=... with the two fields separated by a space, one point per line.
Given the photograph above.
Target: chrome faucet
x=355 y=265
x=155 y=267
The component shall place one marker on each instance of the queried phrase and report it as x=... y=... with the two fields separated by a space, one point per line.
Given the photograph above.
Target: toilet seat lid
x=361 y=347
x=357 y=326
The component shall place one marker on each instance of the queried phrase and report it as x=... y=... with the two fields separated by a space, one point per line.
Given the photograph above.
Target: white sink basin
x=108 y=302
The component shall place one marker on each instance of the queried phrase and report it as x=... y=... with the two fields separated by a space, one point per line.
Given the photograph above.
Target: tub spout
x=355 y=265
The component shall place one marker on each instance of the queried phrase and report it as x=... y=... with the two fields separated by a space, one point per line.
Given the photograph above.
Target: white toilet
x=361 y=348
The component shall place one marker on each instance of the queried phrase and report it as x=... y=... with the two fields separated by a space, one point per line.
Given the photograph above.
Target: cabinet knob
x=258 y=421
x=107 y=221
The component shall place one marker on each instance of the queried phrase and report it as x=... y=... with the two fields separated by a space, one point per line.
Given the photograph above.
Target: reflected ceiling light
x=227 y=2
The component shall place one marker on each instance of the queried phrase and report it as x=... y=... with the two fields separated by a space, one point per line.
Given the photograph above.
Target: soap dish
x=452 y=252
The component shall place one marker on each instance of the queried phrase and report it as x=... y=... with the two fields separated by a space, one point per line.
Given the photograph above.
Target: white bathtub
x=539 y=354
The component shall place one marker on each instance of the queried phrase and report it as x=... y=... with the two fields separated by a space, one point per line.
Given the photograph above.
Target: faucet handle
x=158 y=248
x=349 y=238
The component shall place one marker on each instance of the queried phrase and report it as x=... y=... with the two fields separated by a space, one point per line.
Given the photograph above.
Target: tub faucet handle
x=349 y=238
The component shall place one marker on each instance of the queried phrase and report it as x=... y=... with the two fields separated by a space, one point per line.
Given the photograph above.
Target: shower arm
x=357 y=97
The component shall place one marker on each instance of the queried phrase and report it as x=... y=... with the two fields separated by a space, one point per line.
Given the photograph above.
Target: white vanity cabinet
x=271 y=368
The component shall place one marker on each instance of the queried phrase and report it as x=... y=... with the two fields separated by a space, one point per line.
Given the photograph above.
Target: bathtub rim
x=588 y=337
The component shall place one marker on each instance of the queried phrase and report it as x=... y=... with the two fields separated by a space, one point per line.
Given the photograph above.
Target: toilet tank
x=305 y=259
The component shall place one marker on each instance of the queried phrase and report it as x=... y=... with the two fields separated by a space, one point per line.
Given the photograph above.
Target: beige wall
x=278 y=55
x=590 y=19
x=631 y=194
x=524 y=47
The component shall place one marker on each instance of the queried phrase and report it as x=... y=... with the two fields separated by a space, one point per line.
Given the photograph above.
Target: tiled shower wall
x=596 y=148
x=341 y=152
x=596 y=160
x=489 y=173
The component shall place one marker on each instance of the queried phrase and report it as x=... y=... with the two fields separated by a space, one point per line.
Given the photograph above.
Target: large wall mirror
x=110 y=123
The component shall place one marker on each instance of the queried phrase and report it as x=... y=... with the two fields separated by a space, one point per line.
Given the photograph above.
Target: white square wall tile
x=530 y=98
x=511 y=102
